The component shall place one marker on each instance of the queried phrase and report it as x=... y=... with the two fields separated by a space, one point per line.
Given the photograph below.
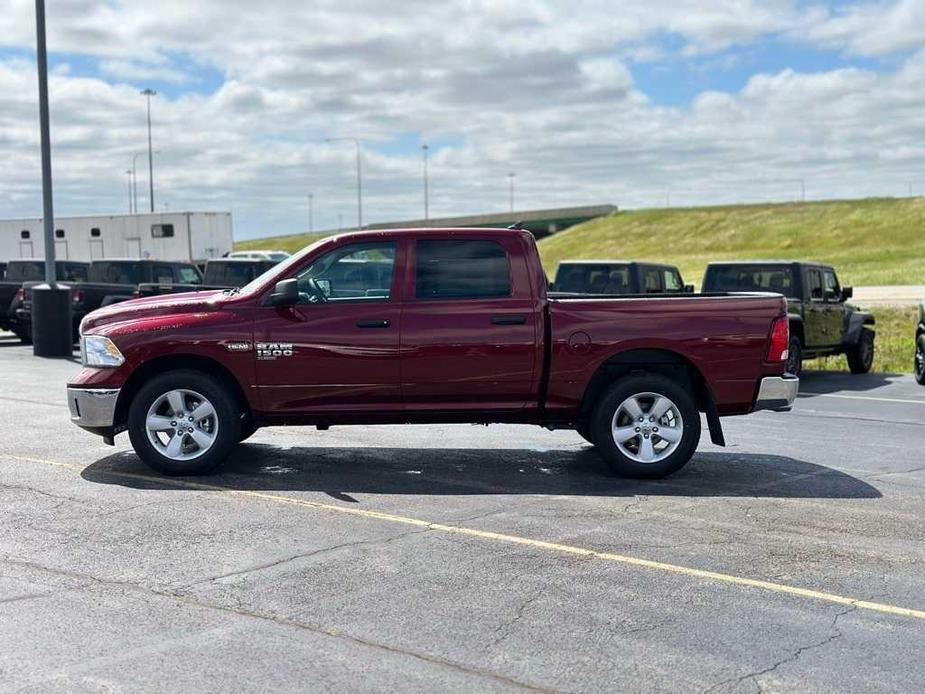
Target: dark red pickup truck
x=427 y=326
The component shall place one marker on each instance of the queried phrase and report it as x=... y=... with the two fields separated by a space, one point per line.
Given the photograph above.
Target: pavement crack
x=287 y=622
x=505 y=628
x=297 y=557
x=834 y=635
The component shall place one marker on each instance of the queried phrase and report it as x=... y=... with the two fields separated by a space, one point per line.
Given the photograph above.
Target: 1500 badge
x=273 y=350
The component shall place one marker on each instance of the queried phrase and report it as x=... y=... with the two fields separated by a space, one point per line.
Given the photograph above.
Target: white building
x=189 y=236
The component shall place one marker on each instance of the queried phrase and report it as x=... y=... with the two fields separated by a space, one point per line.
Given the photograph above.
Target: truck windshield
x=750 y=278
x=587 y=278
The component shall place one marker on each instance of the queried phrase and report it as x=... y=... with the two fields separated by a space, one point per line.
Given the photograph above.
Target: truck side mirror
x=285 y=293
x=847 y=293
x=688 y=288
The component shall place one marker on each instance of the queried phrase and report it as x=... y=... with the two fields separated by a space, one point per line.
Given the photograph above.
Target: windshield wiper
x=232 y=291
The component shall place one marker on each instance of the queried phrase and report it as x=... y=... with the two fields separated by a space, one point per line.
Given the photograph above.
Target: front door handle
x=508 y=320
x=374 y=323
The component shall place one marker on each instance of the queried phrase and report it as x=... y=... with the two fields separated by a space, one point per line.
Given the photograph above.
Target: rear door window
x=115 y=272
x=461 y=269
x=815 y=285
x=651 y=280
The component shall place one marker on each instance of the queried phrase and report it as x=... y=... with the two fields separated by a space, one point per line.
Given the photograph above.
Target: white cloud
x=537 y=87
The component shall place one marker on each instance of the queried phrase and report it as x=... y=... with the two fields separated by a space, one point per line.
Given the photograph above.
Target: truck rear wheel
x=183 y=423
x=646 y=426
x=861 y=355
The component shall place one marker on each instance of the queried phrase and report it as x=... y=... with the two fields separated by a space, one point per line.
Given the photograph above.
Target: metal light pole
x=128 y=175
x=148 y=93
x=51 y=303
x=356 y=142
x=511 y=178
x=311 y=213
x=135 y=177
x=424 y=149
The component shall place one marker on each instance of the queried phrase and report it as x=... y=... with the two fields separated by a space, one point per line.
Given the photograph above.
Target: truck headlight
x=96 y=350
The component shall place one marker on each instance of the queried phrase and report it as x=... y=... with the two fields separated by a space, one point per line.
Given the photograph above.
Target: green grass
x=870 y=242
x=893 y=349
x=290 y=244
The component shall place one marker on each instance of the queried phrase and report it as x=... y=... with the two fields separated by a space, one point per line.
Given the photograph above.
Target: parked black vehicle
x=224 y=273
x=30 y=271
x=109 y=282
x=616 y=277
x=822 y=323
x=920 y=346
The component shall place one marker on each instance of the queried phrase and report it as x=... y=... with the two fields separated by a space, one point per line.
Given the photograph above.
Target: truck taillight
x=76 y=296
x=20 y=295
x=779 y=347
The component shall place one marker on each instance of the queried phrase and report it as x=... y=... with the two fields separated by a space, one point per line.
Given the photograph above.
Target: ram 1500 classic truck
x=822 y=322
x=617 y=277
x=427 y=326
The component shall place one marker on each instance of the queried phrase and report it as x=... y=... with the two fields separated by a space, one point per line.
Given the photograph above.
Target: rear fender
x=667 y=363
x=857 y=321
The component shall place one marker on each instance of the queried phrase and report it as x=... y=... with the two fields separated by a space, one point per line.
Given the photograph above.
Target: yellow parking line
x=555 y=547
x=862 y=397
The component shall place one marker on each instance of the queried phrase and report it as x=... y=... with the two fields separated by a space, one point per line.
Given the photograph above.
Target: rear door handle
x=380 y=323
x=508 y=320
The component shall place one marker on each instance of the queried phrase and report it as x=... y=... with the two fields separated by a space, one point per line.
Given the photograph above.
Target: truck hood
x=152 y=306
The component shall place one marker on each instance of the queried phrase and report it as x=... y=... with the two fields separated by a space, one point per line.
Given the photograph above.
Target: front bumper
x=93 y=408
x=777 y=393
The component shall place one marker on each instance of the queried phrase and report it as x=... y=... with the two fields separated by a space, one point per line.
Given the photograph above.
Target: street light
x=424 y=149
x=148 y=93
x=311 y=205
x=356 y=142
x=128 y=175
x=51 y=302
x=511 y=178
x=135 y=177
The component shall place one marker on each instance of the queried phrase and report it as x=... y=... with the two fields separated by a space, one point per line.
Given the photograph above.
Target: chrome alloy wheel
x=181 y=425
x=647 y=427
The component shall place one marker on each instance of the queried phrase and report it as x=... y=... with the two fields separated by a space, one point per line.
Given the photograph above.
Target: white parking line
x=862 y=397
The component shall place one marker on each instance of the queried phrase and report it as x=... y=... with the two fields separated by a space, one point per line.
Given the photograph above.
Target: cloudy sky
x=634 y=103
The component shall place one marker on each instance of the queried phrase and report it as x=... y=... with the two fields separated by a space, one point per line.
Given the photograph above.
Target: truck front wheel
x=183 y=423
x=646 y=426
x=920 y=359
x=861 y=355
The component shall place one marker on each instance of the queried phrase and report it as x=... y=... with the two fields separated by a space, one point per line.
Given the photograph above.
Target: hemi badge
x=237 y=346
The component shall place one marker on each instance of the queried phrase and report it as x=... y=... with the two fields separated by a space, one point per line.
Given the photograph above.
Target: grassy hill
x=876 y=241
x=870 y=242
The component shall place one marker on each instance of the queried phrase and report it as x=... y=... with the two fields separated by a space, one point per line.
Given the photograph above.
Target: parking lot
x=467 y=558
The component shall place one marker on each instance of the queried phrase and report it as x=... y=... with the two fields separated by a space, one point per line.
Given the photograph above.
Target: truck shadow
x=341 y=472
x=825 y=382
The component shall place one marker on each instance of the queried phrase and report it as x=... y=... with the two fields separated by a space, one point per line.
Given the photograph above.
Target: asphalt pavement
x=461 y=558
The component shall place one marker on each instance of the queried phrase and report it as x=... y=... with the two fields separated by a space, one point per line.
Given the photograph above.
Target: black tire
x=861 y=355
x=606 y=409
x=583 y=429
x=795 y=356
x=919 y=368
x=247 y=429
x=227 y=421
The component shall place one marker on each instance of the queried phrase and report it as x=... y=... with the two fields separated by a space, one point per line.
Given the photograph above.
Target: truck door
x=471 y=328
x=814 y=309
x=835 y=313
x=341 y=353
